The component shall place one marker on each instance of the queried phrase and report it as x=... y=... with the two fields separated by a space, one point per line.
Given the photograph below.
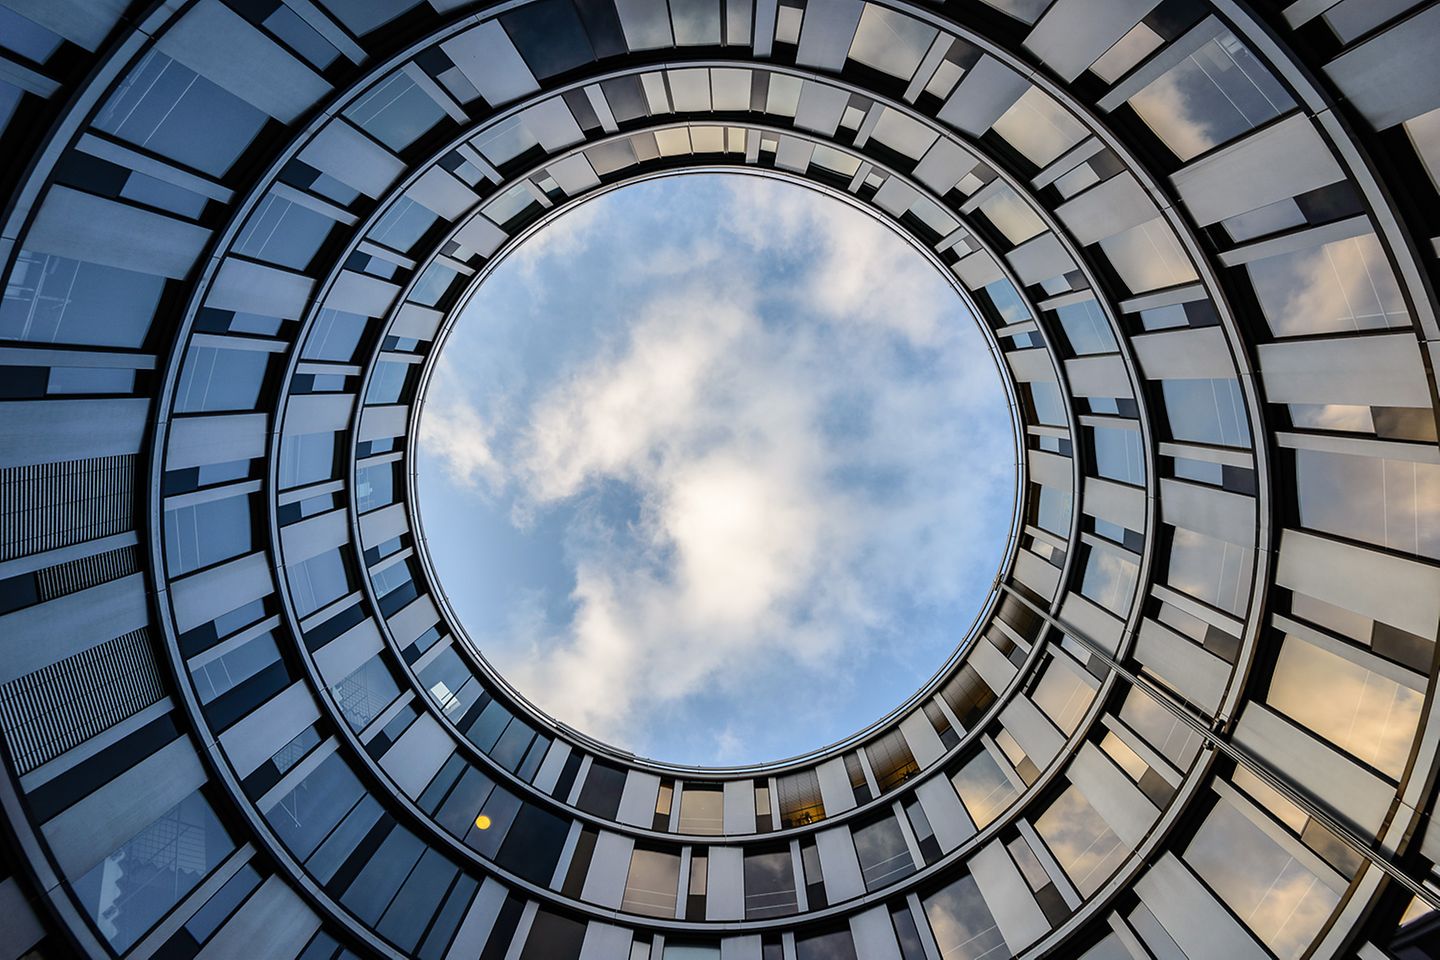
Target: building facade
x=1195 y=718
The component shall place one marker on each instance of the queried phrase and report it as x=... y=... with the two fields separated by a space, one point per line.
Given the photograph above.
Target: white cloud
x=793 y=477
x=454 y=432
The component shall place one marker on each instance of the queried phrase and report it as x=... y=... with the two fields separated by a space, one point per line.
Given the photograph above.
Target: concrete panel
x=224 y=48
x=1201 y=927
x=1011 y=902
x=413 y=760
x=203 y=597
x=982 y=96
x=89 y=831
x=1382 y=370
x=274 y=923
x=945 y=812
x=1073 y=34
x=197 y=441
x=491 y=63
x=1382 y=586
x=256 y=736
x=1280 y=161
x=351 y=157
x=725 y=884
x=97 y=230
x=35 y=637
x=1196 y=353
x=1106 y=209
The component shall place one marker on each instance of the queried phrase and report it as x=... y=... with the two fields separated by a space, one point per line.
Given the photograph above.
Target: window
x=334 y=335
x=217 y=675
x=1336 y=287
x=984 y=788
x=884 y=855
x=702 y=810
x=1039 y=127
x=1052 y=510
x=50 y=299
x=769 y=883
x=800 y=799
x=306 y=458
x=1211 y=570
x=171 y=110
x=205 y=533
x=283 y=232
x=131 y=889
x=1086 y=328
x=306 y=814
x=1082 y=842
x=835 y=945
x=365 y=693
x=1390 y=503
x=1064 y=692
x=396 y=111
x=403 y=224
x=1212 y=96
x=1109 y=579
x=963 y=925
x=653 y=884
x=216 y=379
x=1361 y=711
x=1206 y=411
x=1118 y=455
x=891 y=760
x=1282 y=900
x=318 y=581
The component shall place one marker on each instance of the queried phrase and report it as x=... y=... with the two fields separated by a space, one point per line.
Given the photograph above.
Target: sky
x=716 y=468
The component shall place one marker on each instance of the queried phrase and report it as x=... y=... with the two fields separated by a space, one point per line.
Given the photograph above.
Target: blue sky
x=716 y=468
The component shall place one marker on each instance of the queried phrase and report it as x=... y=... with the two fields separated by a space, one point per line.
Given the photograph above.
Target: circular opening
x=716 y=468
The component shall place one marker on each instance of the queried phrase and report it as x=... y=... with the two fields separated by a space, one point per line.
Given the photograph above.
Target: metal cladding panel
x=314 y=535
x=1199 y=925
x=1073 y=34
x=984 y=94
x=1188 y=667
x=835 y=790
x=1100 y=376
x=87 y=832
x=1395 y=75
x=351 y=157
x=725 y=884
x=198 y=441
x=257 y=736
x=1280 y=161
x=1050 y=469
x=346 y=653
x=438 y=191
x=637 y=800
x=1032 y=730
x=874 y=935
x=604 y=941
x=20 y=928
x=37 y=636
x=739 y=807
x=274 y=922
x=490 y=61
x=826 y=33
x=920 y=736
x=1040 y=259
x=1196 y=353
x=609 y=866
x=1355 y=794
x=200 y=598
x=248 y=287
x=224 y=48
x=1011 y=903
x=1117 y=502
x=1106 y=209
x=820 y=108
x=839 y=864
x=944 y=165
x=1038 y=574
x=413 y=760
x=1209 y=510
x=945 y=812
x=1113 y=795
x=92 y=229
x=1391 y=589
x=1386 y=370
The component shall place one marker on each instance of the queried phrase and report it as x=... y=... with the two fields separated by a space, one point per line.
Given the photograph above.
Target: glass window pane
x=1333 y=288
x=1212 y=96
x=1391 y=503
x=983 y=788
x=963 y=925
x=283 y=232
x=1282 y=901
x=1206 y=411
x=1211 y=570
x=702 y=810
x=1086 y=328
x=1039 y=127
x=396 y=112
x=1363 y=713
x=653 y=884
x=51 y=299
x=127 y=892
x=1118 y=455
x=216 y=379
x=884 y=856
x=205 y=533
x=1085 y=846
x=769 y=884
x=1109 y=579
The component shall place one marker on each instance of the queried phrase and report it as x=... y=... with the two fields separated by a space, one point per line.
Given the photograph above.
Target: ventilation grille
x=58 y=707
x=51 y=505
x=76 y=575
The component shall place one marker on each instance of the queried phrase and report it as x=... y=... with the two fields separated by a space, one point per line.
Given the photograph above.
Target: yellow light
x=482 y=822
